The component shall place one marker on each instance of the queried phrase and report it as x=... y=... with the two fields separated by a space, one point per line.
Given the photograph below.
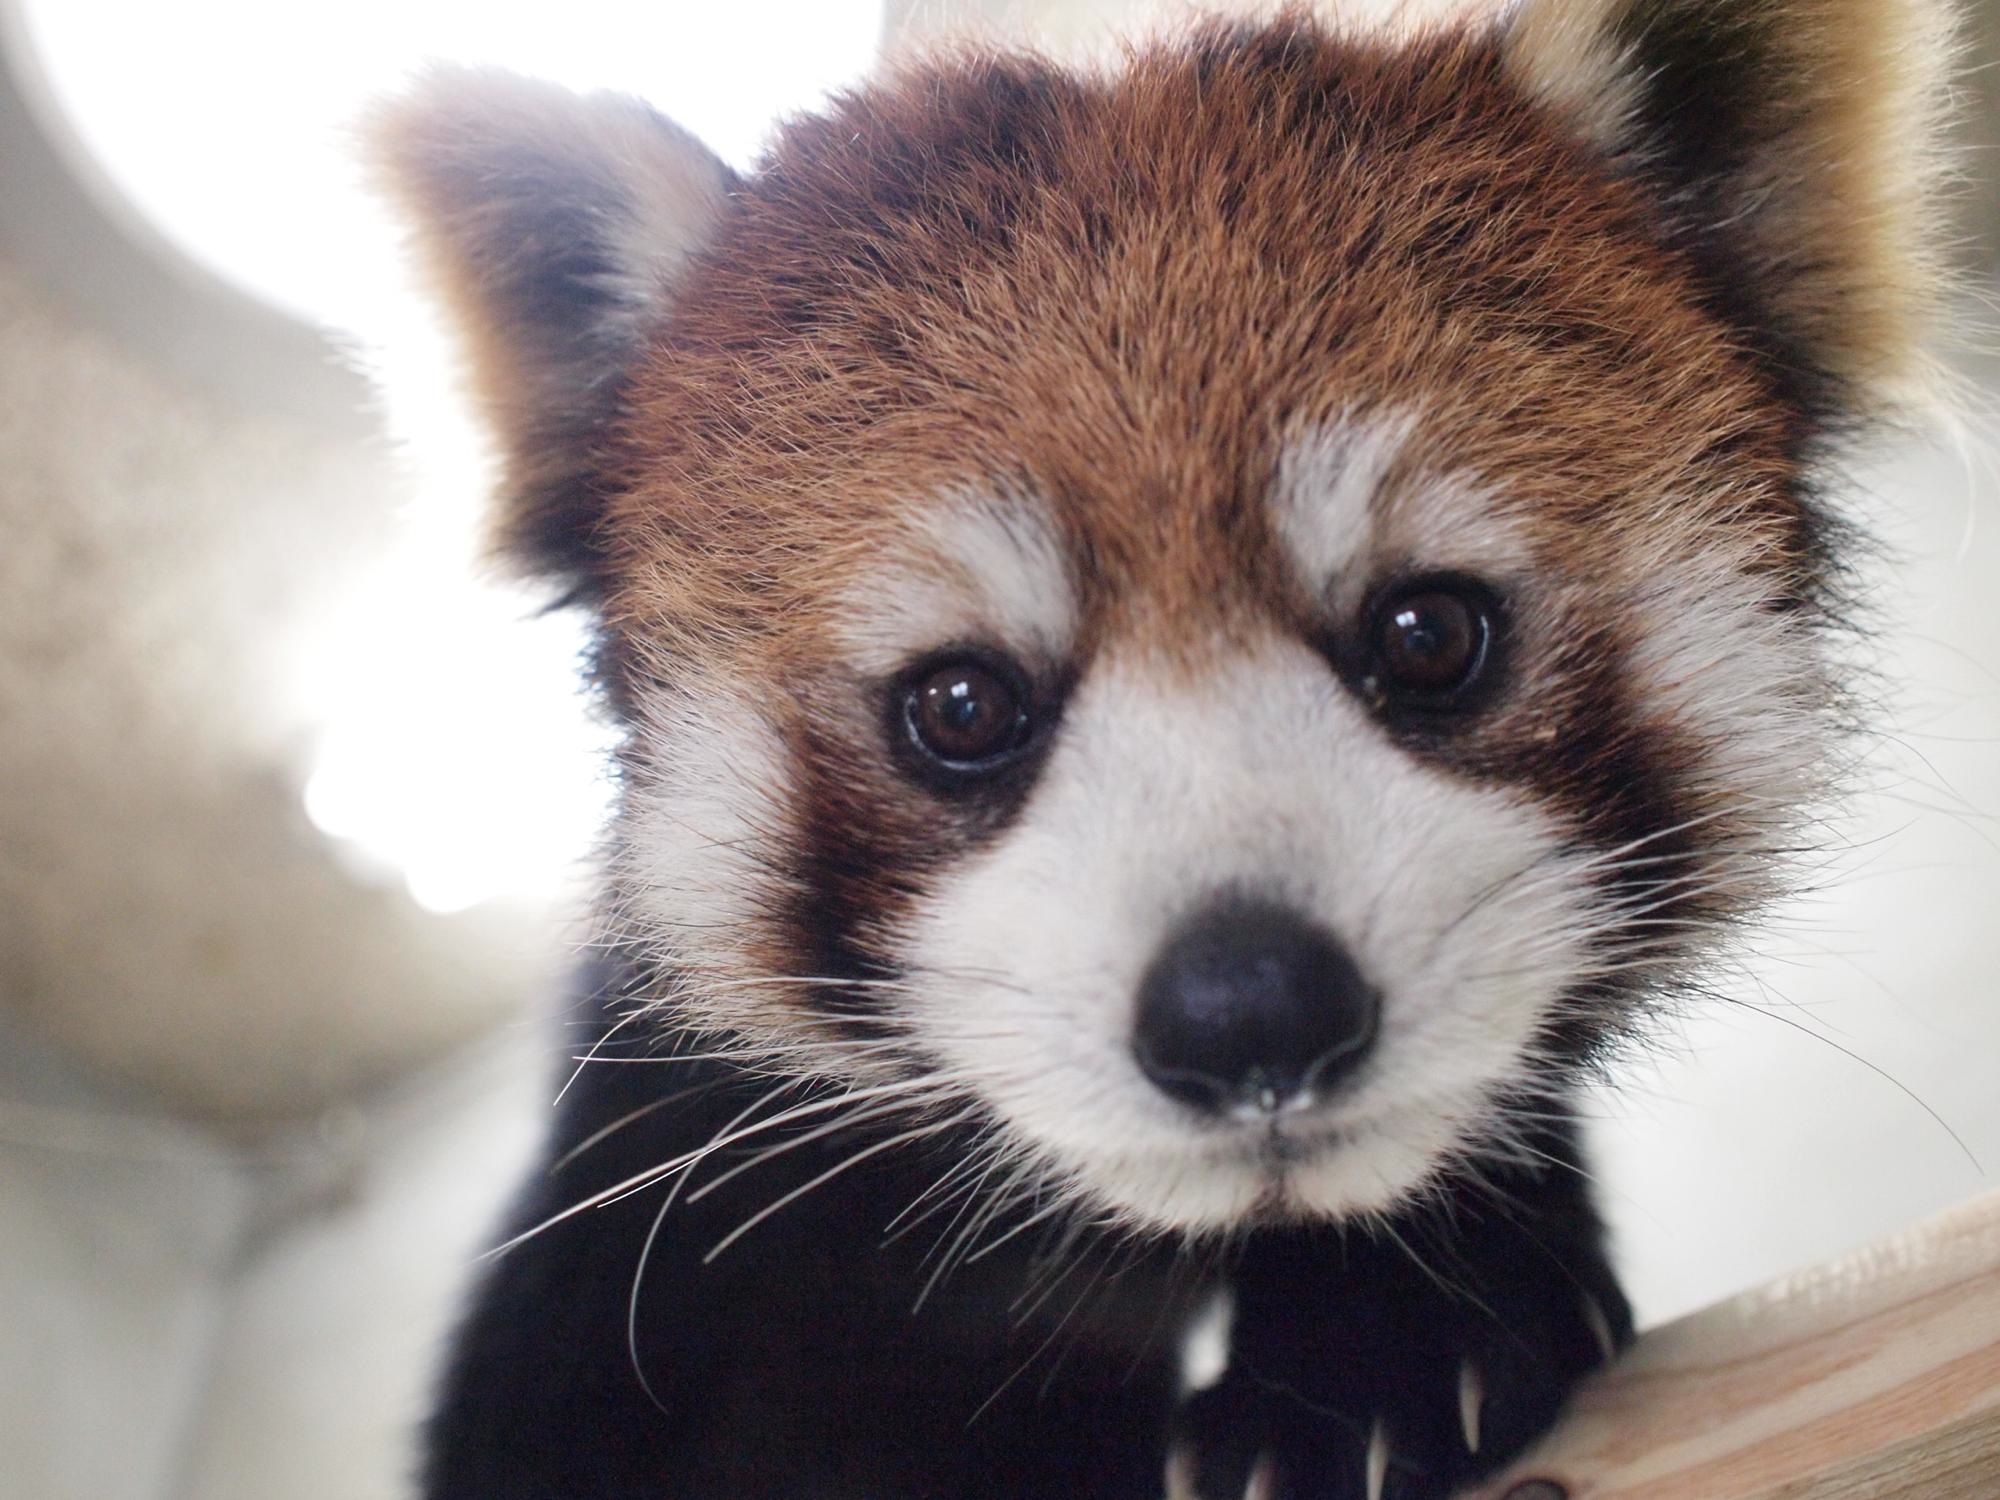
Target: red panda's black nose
x=1251 y=1006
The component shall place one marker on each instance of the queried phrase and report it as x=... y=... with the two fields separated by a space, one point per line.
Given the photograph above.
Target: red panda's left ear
x=554 y=227
x=1793 y=150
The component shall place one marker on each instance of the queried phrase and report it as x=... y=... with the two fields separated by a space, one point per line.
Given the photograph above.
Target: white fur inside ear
x=506 y=176
x=553 y=229
x=676 y=190
x=1568 y=56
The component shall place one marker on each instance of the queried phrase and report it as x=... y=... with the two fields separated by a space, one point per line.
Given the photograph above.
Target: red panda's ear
x=1793 y=149
x=554 y=227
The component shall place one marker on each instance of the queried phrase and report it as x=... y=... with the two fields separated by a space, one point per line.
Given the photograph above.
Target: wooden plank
x=1876 y=1377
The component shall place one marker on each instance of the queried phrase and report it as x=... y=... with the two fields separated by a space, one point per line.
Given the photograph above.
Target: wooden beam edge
x=1873 y=1377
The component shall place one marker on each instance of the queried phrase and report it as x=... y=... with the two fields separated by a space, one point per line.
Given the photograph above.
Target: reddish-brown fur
x=1122 y=295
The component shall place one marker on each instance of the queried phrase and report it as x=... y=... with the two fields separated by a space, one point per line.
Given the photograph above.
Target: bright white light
x=454 y=752
x=225 y=121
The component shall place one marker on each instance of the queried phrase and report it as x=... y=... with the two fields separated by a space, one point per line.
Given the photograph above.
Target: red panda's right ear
x=1792 y=150
x=554 y=227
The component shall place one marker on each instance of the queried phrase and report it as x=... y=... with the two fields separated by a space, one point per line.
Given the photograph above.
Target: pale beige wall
x=165 y=908
x=188 y=486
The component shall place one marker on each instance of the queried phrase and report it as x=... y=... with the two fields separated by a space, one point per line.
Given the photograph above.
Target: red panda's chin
x=1216 y=1185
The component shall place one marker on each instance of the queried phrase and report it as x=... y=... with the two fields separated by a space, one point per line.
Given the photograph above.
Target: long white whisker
x=641 y=1180
x=847 y=1164
x=792 y=1143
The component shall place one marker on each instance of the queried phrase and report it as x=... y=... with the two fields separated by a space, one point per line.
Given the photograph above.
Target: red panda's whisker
x=939 y=1195
x=966 y=1226
x=845 y=1165
x=638 y=1181
x=916 y=1097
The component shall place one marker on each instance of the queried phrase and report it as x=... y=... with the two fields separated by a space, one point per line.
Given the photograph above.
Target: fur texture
x=498 y=175
x=1148 y=392
x=1796 y=145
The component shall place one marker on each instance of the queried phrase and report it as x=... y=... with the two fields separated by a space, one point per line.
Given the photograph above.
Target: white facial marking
x=1264 y=776
x=1347 y=501
x=1570 y=57
x=1739 y=678
x=1327 y=482
x=985 y=566
x=704 y=811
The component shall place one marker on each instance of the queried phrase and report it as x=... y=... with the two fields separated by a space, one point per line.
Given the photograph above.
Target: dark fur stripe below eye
x=842 y=882
x=1620 y=780
x=864 y=849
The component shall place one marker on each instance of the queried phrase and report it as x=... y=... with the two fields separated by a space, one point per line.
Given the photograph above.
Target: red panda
x=1198 y=639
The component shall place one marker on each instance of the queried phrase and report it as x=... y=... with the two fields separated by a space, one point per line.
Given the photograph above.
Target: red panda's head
x=1239 y=615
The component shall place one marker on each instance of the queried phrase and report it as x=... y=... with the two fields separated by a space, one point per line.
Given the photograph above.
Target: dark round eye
x=965 y=714
x=1430 y=642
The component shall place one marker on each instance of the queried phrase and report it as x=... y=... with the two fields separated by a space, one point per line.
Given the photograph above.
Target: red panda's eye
x=1430 y=642
x=965 y=714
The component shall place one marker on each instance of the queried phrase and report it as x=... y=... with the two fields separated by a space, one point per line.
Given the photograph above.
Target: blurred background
x=276 y=946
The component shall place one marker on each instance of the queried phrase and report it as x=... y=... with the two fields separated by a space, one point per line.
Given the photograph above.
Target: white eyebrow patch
x=1339 y=503
x=977 y=565
x=1323 y=497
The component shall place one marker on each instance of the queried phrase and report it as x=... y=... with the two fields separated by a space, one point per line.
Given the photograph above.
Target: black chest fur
x=886 y=1331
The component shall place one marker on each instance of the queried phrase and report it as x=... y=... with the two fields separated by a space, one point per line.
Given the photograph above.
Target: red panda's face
x=1232 y=621
x=1231 y=618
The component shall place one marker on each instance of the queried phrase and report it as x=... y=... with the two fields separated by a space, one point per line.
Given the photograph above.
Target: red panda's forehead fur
x=1122 y=294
